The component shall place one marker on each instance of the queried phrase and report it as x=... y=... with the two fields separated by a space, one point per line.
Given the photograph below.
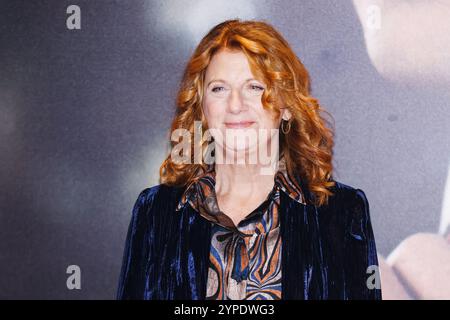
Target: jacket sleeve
x=361 y=263
x=136 y=255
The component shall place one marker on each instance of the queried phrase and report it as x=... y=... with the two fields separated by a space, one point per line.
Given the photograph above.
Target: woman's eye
x=215 y=89
x=256 y=87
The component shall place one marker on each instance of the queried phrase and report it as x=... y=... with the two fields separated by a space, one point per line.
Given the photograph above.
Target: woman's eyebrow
x=221 y=80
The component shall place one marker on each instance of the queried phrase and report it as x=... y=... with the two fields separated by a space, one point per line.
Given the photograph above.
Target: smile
x=239 y=125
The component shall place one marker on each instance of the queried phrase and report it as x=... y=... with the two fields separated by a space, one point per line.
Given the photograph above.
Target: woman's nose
x=236 y=103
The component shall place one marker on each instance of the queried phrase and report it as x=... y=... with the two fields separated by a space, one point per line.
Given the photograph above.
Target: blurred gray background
x=84 y=116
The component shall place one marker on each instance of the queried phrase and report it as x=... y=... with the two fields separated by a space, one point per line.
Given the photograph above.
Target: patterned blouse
x=245 y=260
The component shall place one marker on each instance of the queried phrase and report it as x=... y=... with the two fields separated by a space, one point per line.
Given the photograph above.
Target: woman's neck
x=242 y=183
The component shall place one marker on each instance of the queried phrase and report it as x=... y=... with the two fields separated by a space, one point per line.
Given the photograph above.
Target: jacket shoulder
x=349 y=207
x=345 y=195
x=147 y=195
x=352 y=205
x=343 y=188
x=160 y=192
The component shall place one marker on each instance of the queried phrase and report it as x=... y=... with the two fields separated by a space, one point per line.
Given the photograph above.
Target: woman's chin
x=240 y=151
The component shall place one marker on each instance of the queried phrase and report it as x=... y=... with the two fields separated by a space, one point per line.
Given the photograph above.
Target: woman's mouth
x=239 y=125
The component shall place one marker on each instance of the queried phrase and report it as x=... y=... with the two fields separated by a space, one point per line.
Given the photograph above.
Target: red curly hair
x=307 y=146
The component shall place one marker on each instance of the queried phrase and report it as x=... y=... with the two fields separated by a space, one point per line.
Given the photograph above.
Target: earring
x=286 y=131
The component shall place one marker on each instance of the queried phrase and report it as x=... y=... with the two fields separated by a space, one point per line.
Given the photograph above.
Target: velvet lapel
x=178 y=269
x=192 y=255
x=303 y=275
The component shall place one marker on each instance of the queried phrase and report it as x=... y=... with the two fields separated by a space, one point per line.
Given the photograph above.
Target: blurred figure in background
x=418 y=54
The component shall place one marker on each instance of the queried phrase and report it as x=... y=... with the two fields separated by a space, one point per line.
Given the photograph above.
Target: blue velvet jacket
x=326 y=250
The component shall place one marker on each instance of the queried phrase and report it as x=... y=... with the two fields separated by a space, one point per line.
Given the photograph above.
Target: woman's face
x=232 y=103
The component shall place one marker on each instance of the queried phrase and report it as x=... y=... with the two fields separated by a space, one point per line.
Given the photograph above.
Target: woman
x=221 y=229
